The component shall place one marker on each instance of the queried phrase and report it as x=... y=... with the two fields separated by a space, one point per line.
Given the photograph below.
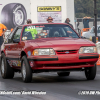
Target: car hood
x=62 y=43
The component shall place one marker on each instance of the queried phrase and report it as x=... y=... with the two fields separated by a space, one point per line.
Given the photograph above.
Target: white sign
x=42 y=17
x=45 y=12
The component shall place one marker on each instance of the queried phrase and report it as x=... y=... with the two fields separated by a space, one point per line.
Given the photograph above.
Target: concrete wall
x=70 y=11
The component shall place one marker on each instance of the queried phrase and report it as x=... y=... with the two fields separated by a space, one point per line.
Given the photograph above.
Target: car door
x=17 y=47
x=8 y=44
x=14 y=49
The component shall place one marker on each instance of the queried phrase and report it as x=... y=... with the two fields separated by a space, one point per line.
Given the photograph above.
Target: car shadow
x=53 y=79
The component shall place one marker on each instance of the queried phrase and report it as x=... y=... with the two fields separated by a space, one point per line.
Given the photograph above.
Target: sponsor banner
x=42 y=17
x=49 y=8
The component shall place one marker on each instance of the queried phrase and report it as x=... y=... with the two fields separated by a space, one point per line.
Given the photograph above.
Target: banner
x=44 y=12
x=14 y=13
x=50 y=8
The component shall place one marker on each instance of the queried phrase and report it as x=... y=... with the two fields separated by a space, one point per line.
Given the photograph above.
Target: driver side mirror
x=16 y=40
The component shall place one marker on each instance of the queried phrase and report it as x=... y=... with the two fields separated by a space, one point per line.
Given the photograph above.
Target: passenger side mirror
x=16 y=40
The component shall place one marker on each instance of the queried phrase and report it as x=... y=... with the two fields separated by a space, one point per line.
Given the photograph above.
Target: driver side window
x=17 y=34
x=9 y=39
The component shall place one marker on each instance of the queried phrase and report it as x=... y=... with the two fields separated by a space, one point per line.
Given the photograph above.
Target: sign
x=53 y=11
x=16 y=12
x=49 y=8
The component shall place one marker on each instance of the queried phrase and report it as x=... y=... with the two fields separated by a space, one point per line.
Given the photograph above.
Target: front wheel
x=26 y=70
x=90 y=72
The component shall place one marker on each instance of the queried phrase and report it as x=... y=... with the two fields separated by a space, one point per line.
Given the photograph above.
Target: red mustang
x=47 y=47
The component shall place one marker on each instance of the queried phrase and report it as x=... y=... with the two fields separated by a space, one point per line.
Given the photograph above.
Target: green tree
x=86 y=8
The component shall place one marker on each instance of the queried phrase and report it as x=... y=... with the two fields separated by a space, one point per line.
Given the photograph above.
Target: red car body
x=66 y=56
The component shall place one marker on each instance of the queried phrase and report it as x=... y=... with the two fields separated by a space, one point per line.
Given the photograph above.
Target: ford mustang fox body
x=47 y=47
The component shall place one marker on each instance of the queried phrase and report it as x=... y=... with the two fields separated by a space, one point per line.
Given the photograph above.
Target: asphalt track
x=55 y=87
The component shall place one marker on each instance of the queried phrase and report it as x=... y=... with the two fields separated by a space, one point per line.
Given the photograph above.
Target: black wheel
x=6 y=70
x=90 y=72
x=15 y=15
x=63 y=73
x=26 y=70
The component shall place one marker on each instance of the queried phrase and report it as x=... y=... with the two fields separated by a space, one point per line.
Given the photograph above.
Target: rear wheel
x=6 y=70
x=63 y=73
x=90 y=72
x=26 y=70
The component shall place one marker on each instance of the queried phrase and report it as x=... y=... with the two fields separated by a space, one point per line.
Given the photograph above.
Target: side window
x=98 y=30
x=17 y=34
x=92 y=31
x=9 y=39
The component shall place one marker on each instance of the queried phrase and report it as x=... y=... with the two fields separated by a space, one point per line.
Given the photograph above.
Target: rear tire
x=26 y=70
x=90 y=72
x=63 y=73
x=6 y=70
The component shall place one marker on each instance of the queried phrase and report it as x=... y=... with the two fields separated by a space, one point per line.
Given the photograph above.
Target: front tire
x=26 y=70
x=6 y=70
x=90 y=72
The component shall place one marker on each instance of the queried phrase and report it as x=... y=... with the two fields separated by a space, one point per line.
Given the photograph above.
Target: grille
x=66 y=51
x=65 y=65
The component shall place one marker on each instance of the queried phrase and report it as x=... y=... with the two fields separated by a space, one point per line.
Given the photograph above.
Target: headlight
x=98 y=47
x=87 y=50
x=43 y=52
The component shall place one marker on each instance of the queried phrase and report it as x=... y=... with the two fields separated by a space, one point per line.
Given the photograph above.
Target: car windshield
x=48 y=31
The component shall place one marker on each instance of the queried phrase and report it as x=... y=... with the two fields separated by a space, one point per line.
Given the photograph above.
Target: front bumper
x=63 y=61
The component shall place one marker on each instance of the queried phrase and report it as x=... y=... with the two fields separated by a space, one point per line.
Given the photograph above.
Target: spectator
x=78 y=24
x=86 y=22
x=3 y=29
x=29 y=21
x=67 y=21
x=50 y=19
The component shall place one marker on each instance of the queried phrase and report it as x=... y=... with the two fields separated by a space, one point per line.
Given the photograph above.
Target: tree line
x=85 y=8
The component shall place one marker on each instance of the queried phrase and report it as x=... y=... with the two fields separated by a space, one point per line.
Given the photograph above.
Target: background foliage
x=85 y=8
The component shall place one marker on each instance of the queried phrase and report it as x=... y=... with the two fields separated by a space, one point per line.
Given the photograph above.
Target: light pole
x=95 y=22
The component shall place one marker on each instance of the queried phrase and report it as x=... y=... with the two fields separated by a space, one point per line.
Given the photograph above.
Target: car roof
x=45 y=24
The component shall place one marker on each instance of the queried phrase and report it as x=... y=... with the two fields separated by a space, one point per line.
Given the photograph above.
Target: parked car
x=47 y=47
x=91 y=33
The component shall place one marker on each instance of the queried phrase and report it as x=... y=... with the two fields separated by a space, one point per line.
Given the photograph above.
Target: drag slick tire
x=26 y=70
x=13 y=14
x=90 y=72
x=63 y=73
x=6 y=70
